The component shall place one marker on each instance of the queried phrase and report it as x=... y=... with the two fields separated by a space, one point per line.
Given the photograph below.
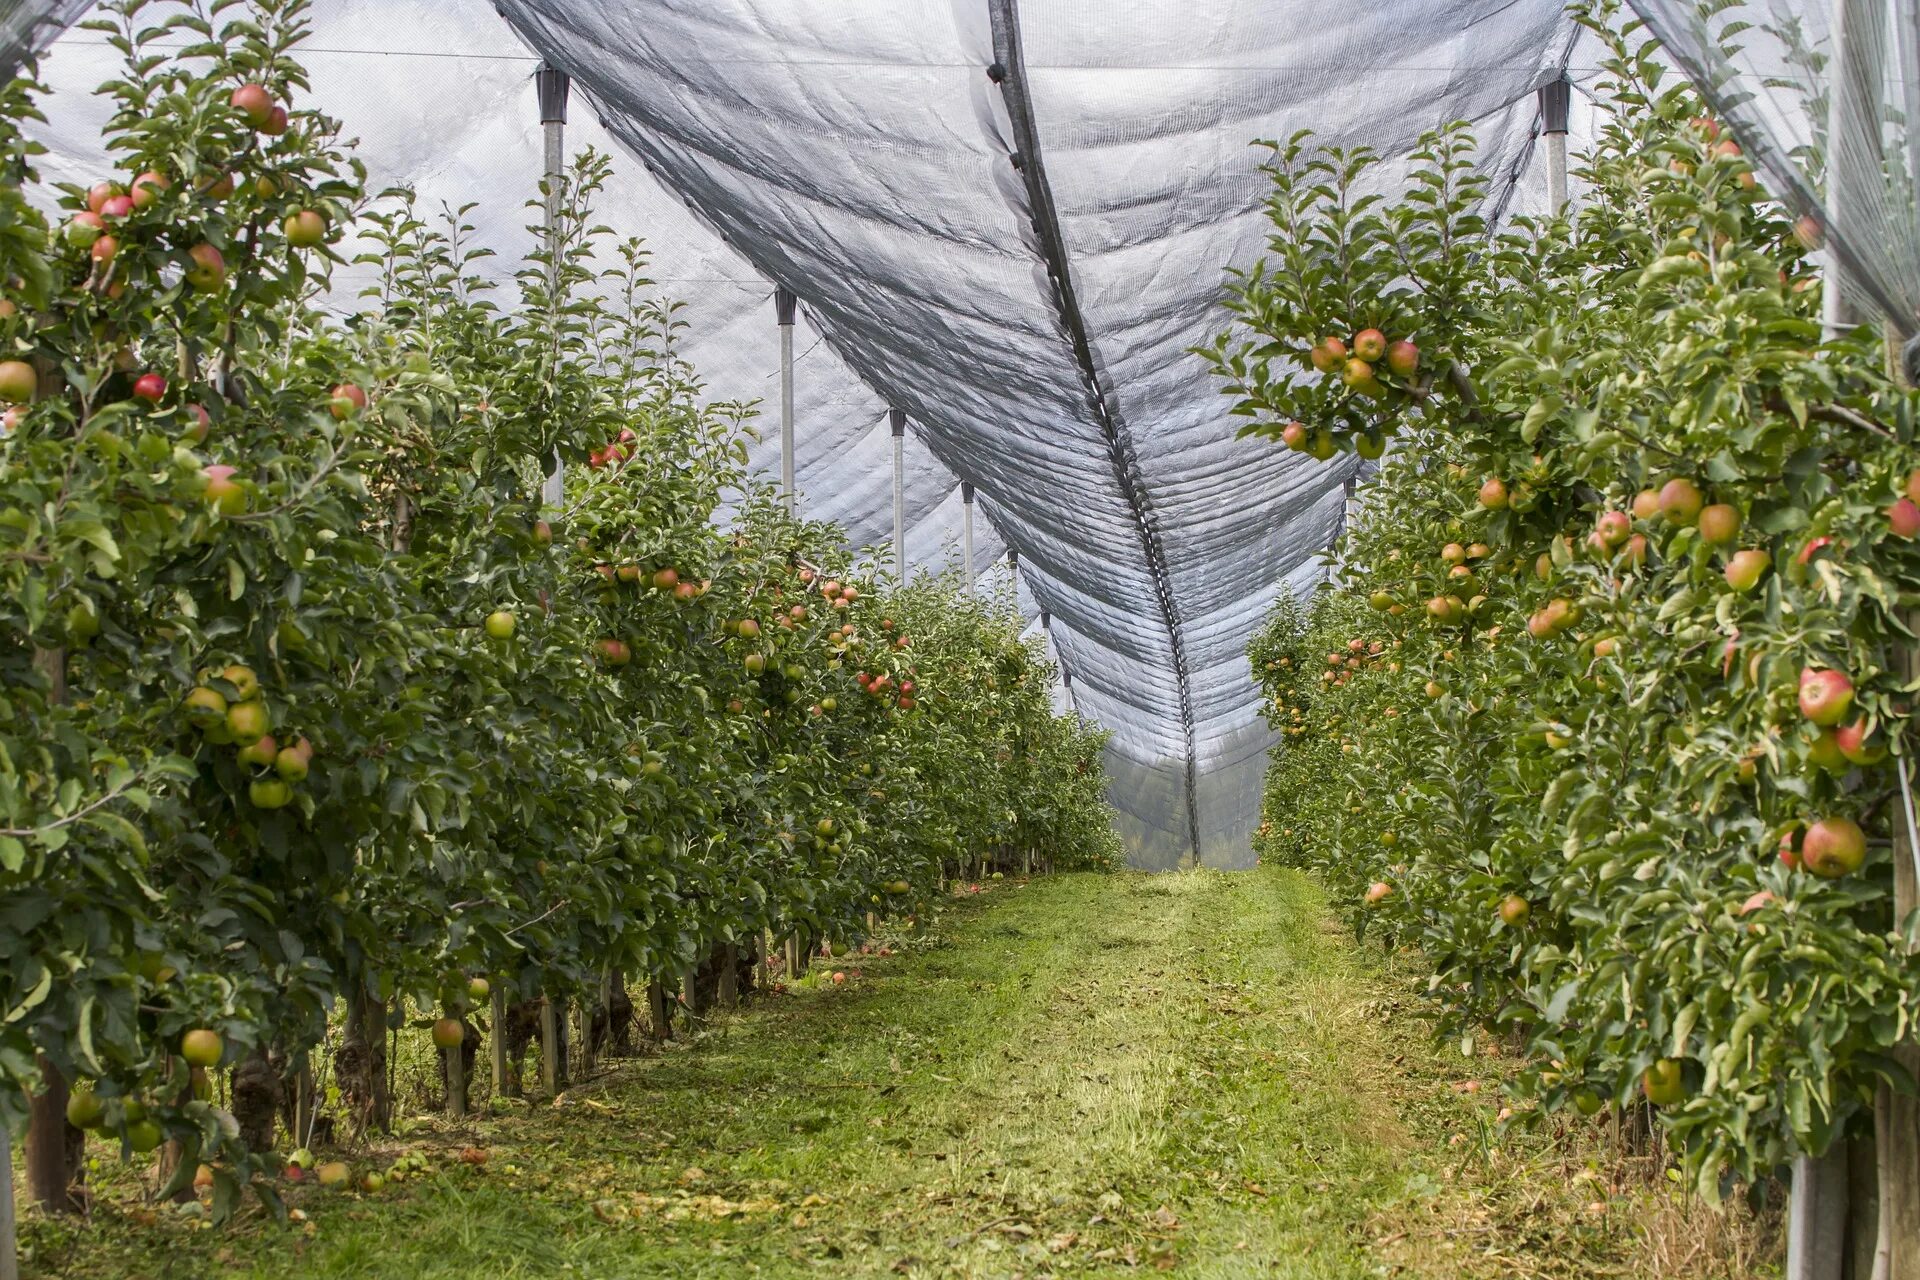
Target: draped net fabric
x=1020 y=264
x=1822 y=95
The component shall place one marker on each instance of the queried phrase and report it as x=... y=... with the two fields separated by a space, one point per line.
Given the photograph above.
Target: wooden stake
x=49 y=1167
x=550 y=1077
x=9 y=1238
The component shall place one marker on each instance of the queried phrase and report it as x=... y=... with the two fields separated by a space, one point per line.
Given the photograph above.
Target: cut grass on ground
x=1083 y=1075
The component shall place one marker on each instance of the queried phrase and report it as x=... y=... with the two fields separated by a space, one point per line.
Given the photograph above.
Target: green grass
x=1083 y=1075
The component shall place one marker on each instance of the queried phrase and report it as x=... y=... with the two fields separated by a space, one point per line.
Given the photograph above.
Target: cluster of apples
x=883 y=686
x=617 y=450
x=111 y=203
x=1463 y=597
x=244 y=721
x=1357 y=365
x=667 y=581
x=1342 y=667
x=1833 y=739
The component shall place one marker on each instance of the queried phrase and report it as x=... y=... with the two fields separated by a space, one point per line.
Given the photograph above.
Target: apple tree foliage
x=1637 y=501
x=310 y=699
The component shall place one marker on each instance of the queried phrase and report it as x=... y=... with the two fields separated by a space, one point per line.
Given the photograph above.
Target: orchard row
x=313 y=712
x=1623 y=752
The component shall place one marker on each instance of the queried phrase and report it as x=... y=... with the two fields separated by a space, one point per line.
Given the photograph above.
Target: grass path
x=1079 y=1076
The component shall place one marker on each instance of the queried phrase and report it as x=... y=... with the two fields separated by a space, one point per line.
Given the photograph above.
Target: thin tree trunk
x=727 y=995
x=362 y=1063
x=504 y=1085
x=659 y=1011
x=171 y=1152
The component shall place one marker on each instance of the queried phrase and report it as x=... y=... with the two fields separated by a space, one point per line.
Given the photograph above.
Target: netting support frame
x=1009 y=72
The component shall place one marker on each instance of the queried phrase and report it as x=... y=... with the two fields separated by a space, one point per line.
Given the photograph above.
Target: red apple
x=1834 y=847
x=1403 y=359
x=84 y=229
x=346 y=400
x=1493 y=494
x=148 y=187
x=1903 y=517
x=1857 y=745
x=99 y=193
x=105 y=248
x=223 y=491
x=1680 y=501
x=1369 y=344
x=209 y=269
x=1613 y=528
x=1719 y=523
x=1295 y=436
x=1825 y=696
x=150 y=387
x=1745 y=569
x=254 y=102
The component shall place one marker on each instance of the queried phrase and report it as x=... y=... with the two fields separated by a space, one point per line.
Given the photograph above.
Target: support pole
x=1817 y=1216
x=1555 y=99
x=966 y=531
x=550 y=1078
x=553 y=85
x=784 y=304
x=899 y=419
x=9 y=1245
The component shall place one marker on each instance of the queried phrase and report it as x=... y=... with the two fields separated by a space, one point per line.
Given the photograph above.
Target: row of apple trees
x=311 y=705
x=1603 y=703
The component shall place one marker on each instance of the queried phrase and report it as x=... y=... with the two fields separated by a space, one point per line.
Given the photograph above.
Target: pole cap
x=898 y=417
x=1555 y=101
x=784 y=302
x=554 y=85
x=966 y=491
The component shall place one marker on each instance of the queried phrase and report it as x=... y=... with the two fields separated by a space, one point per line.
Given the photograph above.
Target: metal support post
x=784 y=306
x=553 y=85
x=966 y=531
x=898 y=417
x=1555 y=99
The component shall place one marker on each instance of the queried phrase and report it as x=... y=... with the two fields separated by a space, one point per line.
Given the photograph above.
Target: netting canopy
x=1008 y=220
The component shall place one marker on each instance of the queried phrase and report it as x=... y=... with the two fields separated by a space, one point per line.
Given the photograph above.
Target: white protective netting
x=1822 y=95
x=1008 y=220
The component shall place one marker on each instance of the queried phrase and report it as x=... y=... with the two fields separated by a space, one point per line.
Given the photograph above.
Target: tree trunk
x=504 y=1084
x=171 y=1152
x=553 y=1050
x=620 y=1011
x=588 y=1012
x=727 y=993
x=256 y=1100
x=659 y=1012
x=361 y=1064
x=54 y=1147
x=456 y=1069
